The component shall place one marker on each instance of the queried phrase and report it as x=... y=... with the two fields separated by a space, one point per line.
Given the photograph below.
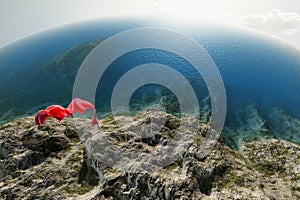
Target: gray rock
x=50 y=162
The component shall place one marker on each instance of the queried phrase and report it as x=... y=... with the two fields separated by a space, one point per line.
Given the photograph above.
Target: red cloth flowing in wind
x=54 y=111
x=58 y=112
x=80 y=106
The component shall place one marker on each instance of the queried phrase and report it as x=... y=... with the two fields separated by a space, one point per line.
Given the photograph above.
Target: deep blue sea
x=259 y=73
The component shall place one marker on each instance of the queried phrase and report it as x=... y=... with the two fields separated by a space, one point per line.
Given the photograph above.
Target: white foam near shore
x=276 y=123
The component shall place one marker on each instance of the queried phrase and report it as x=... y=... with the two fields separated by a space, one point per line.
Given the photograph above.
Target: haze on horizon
x=19 y=19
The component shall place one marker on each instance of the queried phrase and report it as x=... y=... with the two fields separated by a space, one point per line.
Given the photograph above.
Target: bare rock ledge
x=51 y=162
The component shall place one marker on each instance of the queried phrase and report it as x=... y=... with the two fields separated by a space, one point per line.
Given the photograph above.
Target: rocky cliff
x=57 y=161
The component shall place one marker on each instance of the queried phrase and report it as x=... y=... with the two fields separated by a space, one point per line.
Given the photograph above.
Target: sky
x=21 y=18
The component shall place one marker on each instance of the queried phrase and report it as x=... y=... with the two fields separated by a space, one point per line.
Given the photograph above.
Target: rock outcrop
x=61 y=161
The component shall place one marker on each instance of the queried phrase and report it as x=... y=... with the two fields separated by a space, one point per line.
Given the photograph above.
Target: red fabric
x=94 y=120
x=55 y=111
x=80 y=106
x=41 y=117
x=59 y=112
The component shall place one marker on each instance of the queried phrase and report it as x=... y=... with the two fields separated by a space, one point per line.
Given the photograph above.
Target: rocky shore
x=54 y=162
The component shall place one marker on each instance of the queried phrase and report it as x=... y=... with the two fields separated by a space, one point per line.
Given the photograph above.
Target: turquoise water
x=257 y=72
